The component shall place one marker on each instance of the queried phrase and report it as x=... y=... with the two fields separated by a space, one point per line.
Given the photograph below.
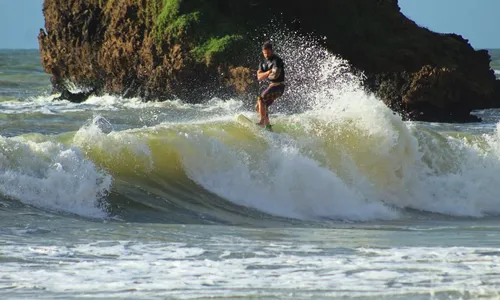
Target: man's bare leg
x=266 y=118
x=261 y=108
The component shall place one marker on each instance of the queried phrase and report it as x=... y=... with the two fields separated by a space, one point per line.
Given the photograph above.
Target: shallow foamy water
x=414 y=260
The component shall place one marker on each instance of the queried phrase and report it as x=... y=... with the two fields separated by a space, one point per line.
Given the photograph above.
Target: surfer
x=273 y=70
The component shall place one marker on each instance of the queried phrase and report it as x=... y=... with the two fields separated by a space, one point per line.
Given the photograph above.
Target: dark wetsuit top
x=274 y=63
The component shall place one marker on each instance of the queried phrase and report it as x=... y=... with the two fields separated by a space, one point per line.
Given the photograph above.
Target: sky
x=476 y=20
x=20 y=23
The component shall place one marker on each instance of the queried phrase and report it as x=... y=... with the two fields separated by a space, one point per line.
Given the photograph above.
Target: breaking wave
x=342 y=155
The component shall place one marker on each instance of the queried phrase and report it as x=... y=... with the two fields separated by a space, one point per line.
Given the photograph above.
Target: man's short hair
x=267 y=45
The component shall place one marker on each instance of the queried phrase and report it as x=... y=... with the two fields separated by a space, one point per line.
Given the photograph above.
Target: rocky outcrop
x=445 y=92
x=195 y=49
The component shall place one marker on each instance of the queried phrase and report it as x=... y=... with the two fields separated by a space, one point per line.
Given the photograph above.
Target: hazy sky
x=476 y=20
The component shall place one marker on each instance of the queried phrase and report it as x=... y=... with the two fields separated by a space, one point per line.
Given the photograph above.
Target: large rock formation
x=196 y=49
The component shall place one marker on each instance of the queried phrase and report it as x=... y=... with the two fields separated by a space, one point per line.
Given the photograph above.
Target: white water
x=50 y=176
x=357 y=160
x=245 y=267
x=295 y=176
x=278 y=180
x=107 y=103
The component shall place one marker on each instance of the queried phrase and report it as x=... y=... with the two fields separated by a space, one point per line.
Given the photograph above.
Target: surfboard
x=274 y=127
x=246 y=121
x=241 y=118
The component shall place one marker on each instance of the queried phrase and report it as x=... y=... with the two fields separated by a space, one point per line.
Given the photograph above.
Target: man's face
x=267 y=53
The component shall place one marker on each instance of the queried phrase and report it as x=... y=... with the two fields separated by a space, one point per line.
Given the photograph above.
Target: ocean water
x=120 y=199
x=495 y=61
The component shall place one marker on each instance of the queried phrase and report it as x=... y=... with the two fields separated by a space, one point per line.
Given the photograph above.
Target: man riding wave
x=273 y=70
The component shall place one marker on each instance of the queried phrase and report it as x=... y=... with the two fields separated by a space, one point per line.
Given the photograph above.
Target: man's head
x=267 y=49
